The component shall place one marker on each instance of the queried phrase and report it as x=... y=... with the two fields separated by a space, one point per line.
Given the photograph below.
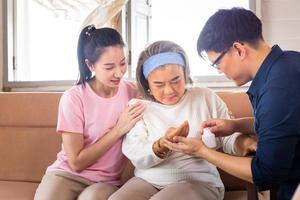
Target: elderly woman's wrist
x=159 y=149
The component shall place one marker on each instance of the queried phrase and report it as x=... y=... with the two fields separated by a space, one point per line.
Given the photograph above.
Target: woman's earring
x=149 y=92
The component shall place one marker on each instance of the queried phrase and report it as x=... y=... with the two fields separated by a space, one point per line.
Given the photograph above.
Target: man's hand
x=220 y=127
x=190 y=146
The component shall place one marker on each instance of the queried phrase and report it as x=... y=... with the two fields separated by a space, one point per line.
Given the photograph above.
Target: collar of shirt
x=262 y=73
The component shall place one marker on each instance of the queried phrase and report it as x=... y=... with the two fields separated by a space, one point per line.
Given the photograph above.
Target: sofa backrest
x=238 y=103
x=29 y=142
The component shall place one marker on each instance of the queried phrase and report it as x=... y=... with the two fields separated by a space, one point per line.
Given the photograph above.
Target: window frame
x=220 y=81
x=8 y=8
x=9 y=28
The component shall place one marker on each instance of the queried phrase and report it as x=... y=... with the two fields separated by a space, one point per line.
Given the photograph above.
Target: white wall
x=281 y=23
x=1 y=48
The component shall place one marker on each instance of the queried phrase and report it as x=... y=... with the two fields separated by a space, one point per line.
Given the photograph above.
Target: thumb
x=180 y=139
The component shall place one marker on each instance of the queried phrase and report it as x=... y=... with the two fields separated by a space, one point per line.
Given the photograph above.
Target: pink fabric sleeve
x=70 y=114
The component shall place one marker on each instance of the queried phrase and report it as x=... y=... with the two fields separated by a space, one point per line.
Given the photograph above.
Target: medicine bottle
x=209 y=138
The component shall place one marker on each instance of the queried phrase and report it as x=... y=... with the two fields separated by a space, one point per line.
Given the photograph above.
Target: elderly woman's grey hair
x=151 y=50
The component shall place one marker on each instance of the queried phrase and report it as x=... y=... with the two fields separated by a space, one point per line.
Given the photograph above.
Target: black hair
x=91 y=45
x=227 y=26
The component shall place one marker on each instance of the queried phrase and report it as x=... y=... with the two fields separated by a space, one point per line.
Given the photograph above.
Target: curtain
x=101 y=12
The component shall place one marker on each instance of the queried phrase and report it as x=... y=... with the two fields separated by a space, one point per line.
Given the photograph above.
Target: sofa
x=29 y=143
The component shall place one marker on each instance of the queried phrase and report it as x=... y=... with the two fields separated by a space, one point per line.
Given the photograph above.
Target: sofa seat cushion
x=15 y=190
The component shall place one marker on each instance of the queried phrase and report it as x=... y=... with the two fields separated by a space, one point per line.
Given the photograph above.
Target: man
x=232 y=41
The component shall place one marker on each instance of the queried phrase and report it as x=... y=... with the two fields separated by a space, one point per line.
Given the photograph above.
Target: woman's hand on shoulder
x=129 y=117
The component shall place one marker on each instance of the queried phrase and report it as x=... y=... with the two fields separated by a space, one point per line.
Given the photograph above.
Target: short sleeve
x=70 y=114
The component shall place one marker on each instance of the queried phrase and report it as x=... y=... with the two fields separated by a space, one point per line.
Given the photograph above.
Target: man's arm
x=225 y=127
x=245 y=125
x=236 y=166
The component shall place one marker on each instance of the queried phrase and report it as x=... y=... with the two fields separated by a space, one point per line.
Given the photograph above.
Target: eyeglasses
x=216 y=63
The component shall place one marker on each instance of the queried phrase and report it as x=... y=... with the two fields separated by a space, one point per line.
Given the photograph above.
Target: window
x=42 y=35
x=182 y=23
x=42 y=38
x=45 y=40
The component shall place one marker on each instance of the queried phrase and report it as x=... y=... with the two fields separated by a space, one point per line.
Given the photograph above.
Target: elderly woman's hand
x=190 y=146
x=159 y=147
x=245 y=145
x=182 y=130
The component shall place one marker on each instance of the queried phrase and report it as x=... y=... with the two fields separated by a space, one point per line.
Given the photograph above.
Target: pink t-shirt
x=81 y=110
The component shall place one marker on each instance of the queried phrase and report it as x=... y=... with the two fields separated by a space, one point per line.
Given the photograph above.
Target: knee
x=117 y=196
x=91 y=194
x=48 y=192
x=96 y=193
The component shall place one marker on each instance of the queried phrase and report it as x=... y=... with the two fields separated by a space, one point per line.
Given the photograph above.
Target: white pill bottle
x=208 y=138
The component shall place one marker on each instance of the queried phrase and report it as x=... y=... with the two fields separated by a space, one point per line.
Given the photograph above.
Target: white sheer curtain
x=104 y=12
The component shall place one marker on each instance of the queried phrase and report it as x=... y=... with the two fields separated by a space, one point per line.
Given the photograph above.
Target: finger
x=179 y=147
x=214 y=129
x=135 y=105
x=170 y=145
x=171 y=129
x=163 y=142
x=180 y=139
x=185 y=131
x=138 y=106
x=133 y=121
x=160 y=155
x=170 y=133
x=184 y=124
x=137 y=112
x=181 y=130
x=208 y=123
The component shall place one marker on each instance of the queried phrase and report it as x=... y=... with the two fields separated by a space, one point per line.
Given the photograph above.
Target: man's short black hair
x=227 y=26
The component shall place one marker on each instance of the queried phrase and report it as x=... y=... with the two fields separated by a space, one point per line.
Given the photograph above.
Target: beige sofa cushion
x=29 y=143
x=11 y=190
x=26 y=152
x=29 y=109
x=238 y=103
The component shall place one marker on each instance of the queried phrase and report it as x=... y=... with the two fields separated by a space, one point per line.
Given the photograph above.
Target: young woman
x=93 y=117
x=163 y=76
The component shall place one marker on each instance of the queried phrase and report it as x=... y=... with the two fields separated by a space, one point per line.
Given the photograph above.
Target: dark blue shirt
x=275 y=97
